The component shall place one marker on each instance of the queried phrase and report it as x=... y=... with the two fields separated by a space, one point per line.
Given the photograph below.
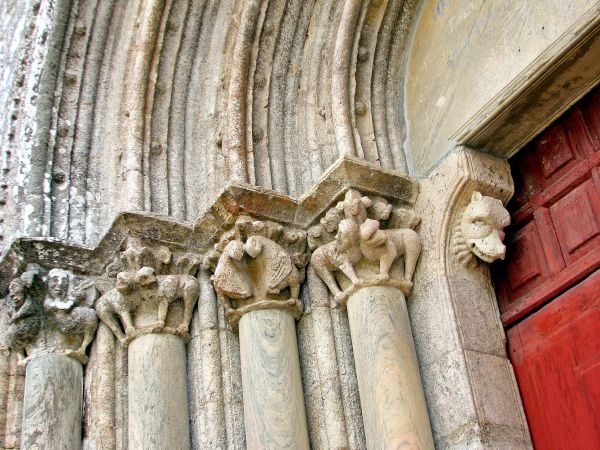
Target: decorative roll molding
x=360 y=253
x=479 y=233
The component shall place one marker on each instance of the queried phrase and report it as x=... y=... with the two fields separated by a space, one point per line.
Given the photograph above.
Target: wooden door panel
x=556 y=356
x=549 y=286
x=554 y=240
x=576 y=219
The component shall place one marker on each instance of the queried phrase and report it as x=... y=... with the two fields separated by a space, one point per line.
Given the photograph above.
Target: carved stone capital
x=479 y=234
x=364 y=241
x=148 y=289
x=49 y=312
x=258 y=265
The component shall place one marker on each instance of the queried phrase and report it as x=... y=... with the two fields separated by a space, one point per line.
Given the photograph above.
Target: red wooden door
x=549 y=286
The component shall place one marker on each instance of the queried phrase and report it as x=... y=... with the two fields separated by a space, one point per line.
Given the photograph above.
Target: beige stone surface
x=52 y=403
x=464 y=53
x=158 y=401
x=274 y=409
x=391 y=394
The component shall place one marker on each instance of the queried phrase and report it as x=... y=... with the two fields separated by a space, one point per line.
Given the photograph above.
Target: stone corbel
x=453 y=305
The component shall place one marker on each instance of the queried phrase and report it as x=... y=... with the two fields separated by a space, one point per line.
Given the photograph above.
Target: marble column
x=257 y=279
x=391 y=393
x=369 y=269
x=158 y=402
x=52 y=403
x=149 y=311
x=273 y=399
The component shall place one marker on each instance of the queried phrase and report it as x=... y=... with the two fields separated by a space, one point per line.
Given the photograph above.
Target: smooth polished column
x=158 y=403
x=391 y=394
x=52 y=403
x=273 y=400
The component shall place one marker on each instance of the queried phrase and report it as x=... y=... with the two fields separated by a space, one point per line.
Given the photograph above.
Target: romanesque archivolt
x=148 y=290
x=258 y=264
x=479 y=233
x=49 y=312
x=351 y=250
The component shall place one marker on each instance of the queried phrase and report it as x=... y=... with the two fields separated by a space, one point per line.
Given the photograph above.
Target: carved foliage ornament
x=352 y=250
x=479 y=233
x=50 y=312
x=258 y=265
x=148 y=290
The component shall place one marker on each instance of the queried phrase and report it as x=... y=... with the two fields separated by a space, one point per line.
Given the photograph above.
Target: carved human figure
x=65 y=309
x=167 y=289
x=231 y=279
x=480 y=230
x=386 y=246
x=355 y=206
x=24 y=317
x=278 y=270
x=339 y=255
x=254 y=264
x=119 y=303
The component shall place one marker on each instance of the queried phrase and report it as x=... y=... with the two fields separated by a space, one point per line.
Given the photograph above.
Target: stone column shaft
x=391 y=393
x=52 y=403
x=158 y=403
x=274 y=412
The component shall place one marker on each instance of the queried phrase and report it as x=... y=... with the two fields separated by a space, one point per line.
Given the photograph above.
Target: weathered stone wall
x=463 y=54
x=156 y=106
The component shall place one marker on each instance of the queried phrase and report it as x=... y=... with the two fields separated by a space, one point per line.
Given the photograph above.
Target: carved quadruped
x=148 y=289
x=351 y=250
x=479 y=234
x=258 y=265
x=50 y=312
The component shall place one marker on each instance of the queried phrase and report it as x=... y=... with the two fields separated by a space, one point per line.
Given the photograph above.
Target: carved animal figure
x=481 y=230
x=24 y=316
x=386 y=246
x=120 y=302
x=79 y=320
x=333 y=217
x=167 y=289
x=231 y=280
x=278 y=271
x=380 y=208
x=339 y=255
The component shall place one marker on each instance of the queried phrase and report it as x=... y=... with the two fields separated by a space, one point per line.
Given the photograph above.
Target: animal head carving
x=481 y=230
x=347 y=235
x=145 y=276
